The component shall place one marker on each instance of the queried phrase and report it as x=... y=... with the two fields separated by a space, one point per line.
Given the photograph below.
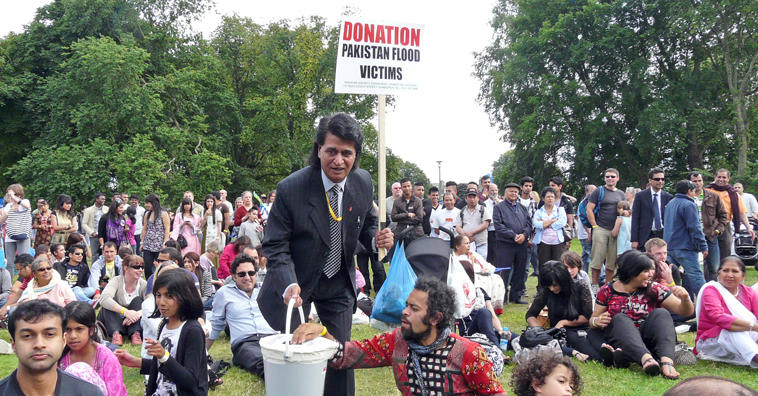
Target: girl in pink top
x=726 y=311
x=187 y=224
x=83 y=345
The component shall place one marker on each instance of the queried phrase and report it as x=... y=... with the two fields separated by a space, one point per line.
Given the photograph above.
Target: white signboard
x=378 y=57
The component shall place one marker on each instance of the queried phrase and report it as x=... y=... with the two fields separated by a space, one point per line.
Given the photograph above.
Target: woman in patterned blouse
x=634 y=315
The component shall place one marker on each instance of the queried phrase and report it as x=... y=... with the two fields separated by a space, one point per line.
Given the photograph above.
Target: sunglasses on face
x=242 y=274
x=77 y=253
x=137 y=267
x=40 y=270
x=658 y=178
x=610 y=176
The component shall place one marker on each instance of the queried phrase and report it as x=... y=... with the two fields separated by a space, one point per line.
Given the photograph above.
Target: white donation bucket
x=295 y=369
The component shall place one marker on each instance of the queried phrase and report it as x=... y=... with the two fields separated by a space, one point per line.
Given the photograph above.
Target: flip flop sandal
x=606 y=352
x=672 y=368
x=651 y=369
x=619 y=360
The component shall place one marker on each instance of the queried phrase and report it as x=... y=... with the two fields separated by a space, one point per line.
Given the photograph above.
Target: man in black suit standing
x=319 y=215
x=648 y=210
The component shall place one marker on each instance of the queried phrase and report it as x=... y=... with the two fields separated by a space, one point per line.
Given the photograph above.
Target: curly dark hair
x=539 y=367
x=441 y=299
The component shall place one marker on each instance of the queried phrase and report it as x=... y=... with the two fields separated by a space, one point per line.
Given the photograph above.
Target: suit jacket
x=296 y=242
x=88 y=220
x=642 y=214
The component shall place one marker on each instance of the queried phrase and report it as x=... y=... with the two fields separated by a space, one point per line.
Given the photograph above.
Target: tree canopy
x=585 y=85
x=122 y=95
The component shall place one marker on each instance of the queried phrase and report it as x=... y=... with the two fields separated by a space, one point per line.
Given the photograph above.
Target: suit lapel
x=348 y=201
x=319 y=205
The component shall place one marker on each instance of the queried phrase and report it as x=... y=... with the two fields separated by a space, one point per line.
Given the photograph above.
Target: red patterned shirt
x=460 y=367
x=636 y=305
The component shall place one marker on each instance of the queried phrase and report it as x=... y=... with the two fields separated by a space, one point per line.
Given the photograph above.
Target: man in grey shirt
x=603 y=241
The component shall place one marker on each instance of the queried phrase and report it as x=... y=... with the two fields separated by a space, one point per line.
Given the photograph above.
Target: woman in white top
x=548 y=224
x=212 y=222
x=18 y=223
x=485 y=277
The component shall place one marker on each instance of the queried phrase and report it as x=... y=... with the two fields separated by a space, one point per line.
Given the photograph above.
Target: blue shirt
x=232 y=306
x=683 y=230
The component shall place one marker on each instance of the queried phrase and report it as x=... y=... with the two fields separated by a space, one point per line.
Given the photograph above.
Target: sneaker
x=95 y=304
x=117 y=339
x=136 y=339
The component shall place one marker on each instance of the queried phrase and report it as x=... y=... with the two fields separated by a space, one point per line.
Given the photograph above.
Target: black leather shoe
x=520 y=301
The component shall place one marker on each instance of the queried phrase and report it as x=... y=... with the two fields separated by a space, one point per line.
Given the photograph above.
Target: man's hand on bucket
x=293 y=292
x=308 y=331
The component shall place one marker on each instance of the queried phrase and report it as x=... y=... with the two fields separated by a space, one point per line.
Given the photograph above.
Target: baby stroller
x=429 y=256
x=745 y=247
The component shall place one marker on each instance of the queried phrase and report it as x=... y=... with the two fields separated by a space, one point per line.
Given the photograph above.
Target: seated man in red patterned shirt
x=426 y=358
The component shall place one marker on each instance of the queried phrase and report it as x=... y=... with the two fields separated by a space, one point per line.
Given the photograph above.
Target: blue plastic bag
x=390 y=301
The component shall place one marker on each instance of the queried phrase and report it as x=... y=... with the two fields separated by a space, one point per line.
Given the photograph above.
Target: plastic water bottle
x=504 y=340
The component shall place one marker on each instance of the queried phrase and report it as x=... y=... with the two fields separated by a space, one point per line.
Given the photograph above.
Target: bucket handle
x=290 y=306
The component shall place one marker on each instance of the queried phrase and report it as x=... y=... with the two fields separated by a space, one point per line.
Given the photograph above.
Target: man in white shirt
x=140 y=216
x=397 y=191
x=491 y=200
x=474 y=220
x=748 y=199
x=445 y=217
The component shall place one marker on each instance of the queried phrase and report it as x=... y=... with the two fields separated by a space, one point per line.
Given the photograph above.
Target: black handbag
x=182 y=241
x=534 y=336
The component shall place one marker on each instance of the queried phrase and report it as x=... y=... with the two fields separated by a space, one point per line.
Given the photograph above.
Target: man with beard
x=36 y=328
x=235 y=305
x=422 y=348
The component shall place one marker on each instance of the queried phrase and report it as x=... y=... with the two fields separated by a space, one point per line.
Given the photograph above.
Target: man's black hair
x=24 y=259
x=243 y=258
x=441 y=298
x=485 y=177
x=452 y=183
x=98 y=195
x=684 y=186
x=694 y=174
x=33 y=311
x=134 y=196
x=418 y=183
x=342 y=126
x=526 y=179
x=404 y=180
x=173 y=254
x=557 y=180
x=434 y=189
x=216 y=194
x=709 y=385
x=653 y=172
x=73 y=248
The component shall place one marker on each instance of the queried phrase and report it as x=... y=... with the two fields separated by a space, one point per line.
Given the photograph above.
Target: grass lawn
x=598 y=380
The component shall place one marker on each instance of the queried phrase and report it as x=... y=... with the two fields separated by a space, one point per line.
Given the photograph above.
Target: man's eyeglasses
x=658 y=178
x=40 y=270
x=137 y=267
x=77 y=253
x=243 y=273
x=610 y=176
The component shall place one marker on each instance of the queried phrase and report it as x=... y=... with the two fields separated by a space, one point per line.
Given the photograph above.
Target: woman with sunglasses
x=64 y=219
x=43 y=223
x=47 y=285
x=122 y=303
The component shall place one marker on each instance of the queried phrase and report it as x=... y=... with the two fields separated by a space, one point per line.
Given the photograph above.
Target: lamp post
x=441 y=186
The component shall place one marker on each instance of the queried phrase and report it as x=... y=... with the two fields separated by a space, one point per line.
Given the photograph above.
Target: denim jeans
x=209 y=303
x=712 y=261
x=586 y=254
x=84 y=293
x=687 y=259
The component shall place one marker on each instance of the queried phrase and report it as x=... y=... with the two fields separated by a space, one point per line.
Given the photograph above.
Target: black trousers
x=247 y=354
x=491 y=246
x=512 y=256
x=589 y=344
x=335 y=303
x=114 y=322
x=481 y=322
x=546 y=253
x=656 y=336
x=377 y=267
x=149 y=258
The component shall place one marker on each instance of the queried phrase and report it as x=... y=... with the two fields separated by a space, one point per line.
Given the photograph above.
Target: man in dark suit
x=319 y=215
x=648 y=210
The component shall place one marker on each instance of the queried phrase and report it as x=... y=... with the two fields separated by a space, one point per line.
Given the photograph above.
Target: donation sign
x=378 y=57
